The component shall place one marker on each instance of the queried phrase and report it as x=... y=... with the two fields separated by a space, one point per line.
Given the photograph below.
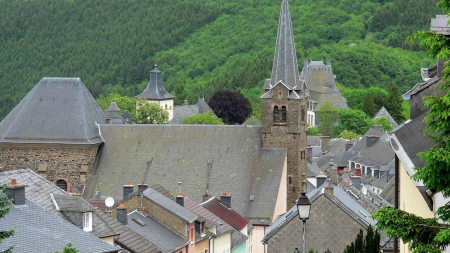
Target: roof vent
x=252 y=197
x=138 y=221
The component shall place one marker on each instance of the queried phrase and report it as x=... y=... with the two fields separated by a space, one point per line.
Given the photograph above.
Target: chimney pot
x=13 y=181
x=127 y=190
x=142 y=187
x=16 y=193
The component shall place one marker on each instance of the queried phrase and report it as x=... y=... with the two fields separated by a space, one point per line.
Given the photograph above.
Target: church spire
x=285 y=67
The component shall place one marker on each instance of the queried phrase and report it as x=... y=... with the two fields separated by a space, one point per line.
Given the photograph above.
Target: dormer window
x=87 y=221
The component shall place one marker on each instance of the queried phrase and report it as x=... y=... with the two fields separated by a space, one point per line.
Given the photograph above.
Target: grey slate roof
x=164 y=238
x=56 y=110
x=71 y=203
x=155 y=89
x=179 y=112
x=38 y=230
x=285 y=66
x=239 y=165
x=170 y=205
x=383 y=113
x=39 y=190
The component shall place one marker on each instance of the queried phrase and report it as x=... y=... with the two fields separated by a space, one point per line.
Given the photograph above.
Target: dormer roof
x=155 y=89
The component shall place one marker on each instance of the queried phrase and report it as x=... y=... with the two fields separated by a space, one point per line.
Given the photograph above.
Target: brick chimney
x=358 y=170
x=142 y=186
x=329 y=191
x=180 y=197
x=185 y=102
x=371 y=139
x=122 y=214
x=356 y=181
x=127 y=190
x=225 y=199
x=325 y=140
x=16 y=193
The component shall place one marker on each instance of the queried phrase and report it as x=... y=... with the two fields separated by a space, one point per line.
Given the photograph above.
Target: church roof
x=285 y=66
x=316 y=73
x=168 y=154
x=57 y=110
x=155 y=89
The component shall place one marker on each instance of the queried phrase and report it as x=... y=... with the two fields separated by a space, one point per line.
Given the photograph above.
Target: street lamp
x=303 y=207
x=296 y=250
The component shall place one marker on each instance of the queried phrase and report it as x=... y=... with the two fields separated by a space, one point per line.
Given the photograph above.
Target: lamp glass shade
x=303 y=206
x=296 y=250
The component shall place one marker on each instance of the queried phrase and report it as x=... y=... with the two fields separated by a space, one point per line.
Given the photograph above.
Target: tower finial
x=156 y=65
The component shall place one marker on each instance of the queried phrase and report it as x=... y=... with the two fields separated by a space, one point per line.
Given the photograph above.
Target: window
x=166 y=107
x=303 y=113
x=276 y=115
x=61 y=183
x=290 y=180
x=283 y=114
x=87 y=221
x=302 y=153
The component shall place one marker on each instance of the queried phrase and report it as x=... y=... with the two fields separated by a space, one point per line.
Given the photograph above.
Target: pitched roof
x=155 y=232
x=383 y=113
x=38 y=230
x=179 y=112
x=227 y=214
x=39 y=191
x=57 y=110
x=285 y=67
x=170 y=205
x=155 y=89
x=238 y=165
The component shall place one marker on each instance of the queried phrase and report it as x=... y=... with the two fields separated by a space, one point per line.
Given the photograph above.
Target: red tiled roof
x=228 y=215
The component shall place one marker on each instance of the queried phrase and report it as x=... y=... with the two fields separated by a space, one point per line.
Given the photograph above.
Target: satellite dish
x=364 y=190
x=109 y=202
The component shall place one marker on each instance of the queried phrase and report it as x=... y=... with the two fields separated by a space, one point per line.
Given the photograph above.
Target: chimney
x=320 y=179
x=305 y=64
x=108 y=121
x=16 y=193
x=356 y=181
x=122 y=214
x=371 y=139
x=225 y=199
x=127 y=190
x=310 y=155
x=142 y=187
x=207 y=195
x=185 y=102
x=440 y=68
x=180 y=198
x=377 y=127
x=329 y=191
x=325 y=143
x=358 y=170
x=348 y=145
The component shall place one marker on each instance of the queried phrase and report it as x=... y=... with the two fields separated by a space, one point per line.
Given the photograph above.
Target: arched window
x=276 y=115
x=61 y=183
x=303 y=114
x=283 y=114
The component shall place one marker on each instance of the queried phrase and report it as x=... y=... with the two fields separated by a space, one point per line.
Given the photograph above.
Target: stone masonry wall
x=62 y=162
x=328 y=227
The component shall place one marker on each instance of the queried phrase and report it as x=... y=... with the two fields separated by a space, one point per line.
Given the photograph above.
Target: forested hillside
x=203 y=45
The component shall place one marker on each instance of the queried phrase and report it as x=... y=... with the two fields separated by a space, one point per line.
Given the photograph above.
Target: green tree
x=327 y=115
x=428 y=234
x=68 y=249
x=203 y=118
x=180 y=92
x=231 y=106
x=394 y=104
x=386 y=125
x=150 y=113
x=124 y=102
x=312 y=131
x=348 y=135
x=368 y=244
x=353 y=120
x=5 y=207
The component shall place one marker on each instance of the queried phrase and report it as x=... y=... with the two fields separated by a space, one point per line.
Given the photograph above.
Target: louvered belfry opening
x=276 y=115
x=283 y=114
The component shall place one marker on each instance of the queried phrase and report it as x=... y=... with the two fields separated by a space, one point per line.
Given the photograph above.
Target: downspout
x=99 y=132
x=397 y=180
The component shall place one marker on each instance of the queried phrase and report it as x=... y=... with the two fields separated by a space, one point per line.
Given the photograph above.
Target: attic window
x=61 y=183
x=87 y=221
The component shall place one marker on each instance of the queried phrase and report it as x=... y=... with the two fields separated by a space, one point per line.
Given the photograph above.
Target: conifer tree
x=394 y=103
x=5 y=207
x=368 y=244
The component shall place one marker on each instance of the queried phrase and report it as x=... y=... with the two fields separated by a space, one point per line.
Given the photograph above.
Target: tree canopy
x=150 y=113
x=353 y=120
x=5 y=207
x=231 y=106
x=368 y=244
x=202 y=118
x=327 y=116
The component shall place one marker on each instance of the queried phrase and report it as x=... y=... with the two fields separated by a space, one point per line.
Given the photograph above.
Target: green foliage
x=123 y=102
x=348 y=135
x=203 y=118
x=5 y=207
x=394 y=103
x=312 y=251
x=386 y=125
x=353 y=120
x=231 y=106
x=327 y=115
x=179 y=92
x=368 y=244
x=68 y=249
x=312 y=131
x=150 y=113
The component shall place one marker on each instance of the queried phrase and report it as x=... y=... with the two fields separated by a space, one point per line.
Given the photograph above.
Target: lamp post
x=296 y=250
x=303 y=207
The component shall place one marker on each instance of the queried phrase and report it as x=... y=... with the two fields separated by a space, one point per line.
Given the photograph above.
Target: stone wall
x=72 y=164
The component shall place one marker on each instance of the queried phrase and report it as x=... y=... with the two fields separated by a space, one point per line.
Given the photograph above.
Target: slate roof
x=170 y=205
x=383 y=113
x=57 y=110
x=38 y=230
x=164 y=238
x=71 y=203
x=179 y=112
x=322 y=94
x=39 y=190
x=155 y=89
x=229 y=215
x=316 y=73
x=285 y=66
x=239 y=165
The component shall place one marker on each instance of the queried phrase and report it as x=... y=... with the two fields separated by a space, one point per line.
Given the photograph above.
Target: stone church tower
x=284 y=108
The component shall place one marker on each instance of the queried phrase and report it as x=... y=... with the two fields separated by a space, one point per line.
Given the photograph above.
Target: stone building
x=54 y=132
x=284 y=107
x=156 y=93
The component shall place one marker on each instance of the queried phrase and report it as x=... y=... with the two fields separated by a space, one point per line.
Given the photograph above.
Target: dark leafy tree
x=231 y=106
x=394 y=103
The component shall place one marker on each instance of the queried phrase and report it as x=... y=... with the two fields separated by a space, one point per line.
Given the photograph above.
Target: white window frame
x=87 y=221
